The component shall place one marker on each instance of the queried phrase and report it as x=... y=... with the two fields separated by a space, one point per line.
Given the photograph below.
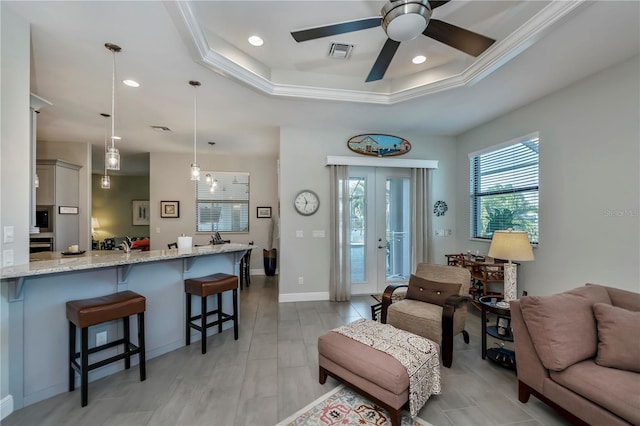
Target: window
x=504 y=188
x=222 y=202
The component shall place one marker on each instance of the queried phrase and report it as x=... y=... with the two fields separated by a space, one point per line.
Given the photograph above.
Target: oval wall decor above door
x=378 y=145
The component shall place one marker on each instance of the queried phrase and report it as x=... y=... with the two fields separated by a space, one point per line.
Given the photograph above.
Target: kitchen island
x=38 y=292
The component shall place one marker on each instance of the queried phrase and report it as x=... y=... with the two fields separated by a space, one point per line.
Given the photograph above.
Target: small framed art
x=140 y=210
x=170 y=209
x=263 y=212
x=67 y=210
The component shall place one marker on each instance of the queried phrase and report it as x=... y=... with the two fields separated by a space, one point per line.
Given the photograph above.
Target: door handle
x=381 y=247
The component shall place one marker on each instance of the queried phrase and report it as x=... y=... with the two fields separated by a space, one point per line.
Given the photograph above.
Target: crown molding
x=497 y=55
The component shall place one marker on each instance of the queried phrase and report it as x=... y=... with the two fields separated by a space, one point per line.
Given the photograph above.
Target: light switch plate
x=8 y=234
x=299 y=234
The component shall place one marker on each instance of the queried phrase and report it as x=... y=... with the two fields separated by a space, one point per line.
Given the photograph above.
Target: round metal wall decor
x=440 y=208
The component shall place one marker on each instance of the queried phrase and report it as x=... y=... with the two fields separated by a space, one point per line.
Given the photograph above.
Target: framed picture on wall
x=140 y=209
x=170 y=209
x=264 y=212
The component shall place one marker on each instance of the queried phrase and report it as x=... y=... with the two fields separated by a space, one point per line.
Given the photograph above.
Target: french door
x=379 y=203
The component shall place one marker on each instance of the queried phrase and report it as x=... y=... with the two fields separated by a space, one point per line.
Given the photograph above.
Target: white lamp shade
x=95 y=223
x=105 y=182
x=511 y=245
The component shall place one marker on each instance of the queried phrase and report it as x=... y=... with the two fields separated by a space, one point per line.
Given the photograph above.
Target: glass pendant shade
x=208 y=177
x=195 y=171
x=112 y=159
x=105 y=182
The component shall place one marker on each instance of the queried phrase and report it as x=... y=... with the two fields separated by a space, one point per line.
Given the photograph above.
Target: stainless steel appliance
x=44 y=218
x=39 y=244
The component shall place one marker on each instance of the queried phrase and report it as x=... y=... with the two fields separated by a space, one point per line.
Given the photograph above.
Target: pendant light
x=105 y=180
x=211 y=180
x=195 y=169
x=112 y=155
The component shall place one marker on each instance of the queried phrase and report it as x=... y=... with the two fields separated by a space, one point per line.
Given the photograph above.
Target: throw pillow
x=618 y=338
x=430 y=291
x=562 y=326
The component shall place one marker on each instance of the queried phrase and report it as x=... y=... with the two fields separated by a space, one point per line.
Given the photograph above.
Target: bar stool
x=245 y=268
x=84 y=313
x=208 y=286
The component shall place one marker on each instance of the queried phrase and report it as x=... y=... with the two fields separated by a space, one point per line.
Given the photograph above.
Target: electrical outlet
x=7 y=257
x=101 y=338
x=300 y=280
x=299 y=234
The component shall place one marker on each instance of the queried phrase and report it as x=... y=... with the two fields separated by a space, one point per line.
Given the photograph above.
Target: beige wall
x=303 y=154
x=169 y=175
x=14 y=161
x=112 y=207
x=589 y=182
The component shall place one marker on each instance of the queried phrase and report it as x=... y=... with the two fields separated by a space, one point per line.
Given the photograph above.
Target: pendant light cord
x=195 y=123
x=113 y=100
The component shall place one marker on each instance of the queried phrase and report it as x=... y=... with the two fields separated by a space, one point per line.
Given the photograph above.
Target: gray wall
x=589 y=177
x=14 y=158
x=169 y=177
x=303 y=154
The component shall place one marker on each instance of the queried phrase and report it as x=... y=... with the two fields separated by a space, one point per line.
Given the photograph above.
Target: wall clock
x=306 y=202
x=440 y=208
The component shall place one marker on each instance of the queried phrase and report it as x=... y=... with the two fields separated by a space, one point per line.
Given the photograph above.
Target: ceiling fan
x=403 y=20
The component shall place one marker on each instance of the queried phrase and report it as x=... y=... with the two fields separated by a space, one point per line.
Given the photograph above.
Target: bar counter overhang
x=37 y=293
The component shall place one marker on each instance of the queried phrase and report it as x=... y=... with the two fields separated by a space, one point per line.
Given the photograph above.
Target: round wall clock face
x=306 y=202
x=440 y=208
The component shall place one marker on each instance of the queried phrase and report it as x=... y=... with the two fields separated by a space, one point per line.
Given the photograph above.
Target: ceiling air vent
x=161 y=129
x=340 y=50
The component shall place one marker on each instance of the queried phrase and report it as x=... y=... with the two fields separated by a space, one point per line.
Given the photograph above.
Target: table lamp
x=94 y=224
x=510 y=245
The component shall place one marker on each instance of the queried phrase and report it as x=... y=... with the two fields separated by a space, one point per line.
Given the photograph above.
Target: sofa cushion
x=618 y=338
x=431 y=291
x=615 y=390
x=562 y=326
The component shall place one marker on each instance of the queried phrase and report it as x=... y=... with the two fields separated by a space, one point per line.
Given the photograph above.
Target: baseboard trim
x=6 y=406
x=304 y=297
x=260 y=272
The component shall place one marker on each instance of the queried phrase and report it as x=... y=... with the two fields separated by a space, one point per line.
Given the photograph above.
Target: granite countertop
x=56 y=262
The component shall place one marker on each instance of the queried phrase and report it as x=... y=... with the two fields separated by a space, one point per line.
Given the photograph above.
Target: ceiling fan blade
x=458 y=38
x=383 y=61
x=435 y=4
x=335 y=29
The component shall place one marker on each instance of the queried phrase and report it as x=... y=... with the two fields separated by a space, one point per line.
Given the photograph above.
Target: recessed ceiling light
x=419 y=59
x=256 y=41
x=131 y=83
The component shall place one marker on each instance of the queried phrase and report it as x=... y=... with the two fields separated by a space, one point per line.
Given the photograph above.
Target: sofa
x=579 y=352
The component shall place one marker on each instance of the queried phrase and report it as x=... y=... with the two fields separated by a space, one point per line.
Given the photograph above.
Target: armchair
x=435 y=306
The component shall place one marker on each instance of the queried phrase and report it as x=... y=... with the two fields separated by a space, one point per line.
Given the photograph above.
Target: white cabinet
x=60 y=187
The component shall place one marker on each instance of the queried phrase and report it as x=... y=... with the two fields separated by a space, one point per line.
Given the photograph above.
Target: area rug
x=342 y=406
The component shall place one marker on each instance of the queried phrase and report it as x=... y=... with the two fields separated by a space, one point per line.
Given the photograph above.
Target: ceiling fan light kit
x=403 y=20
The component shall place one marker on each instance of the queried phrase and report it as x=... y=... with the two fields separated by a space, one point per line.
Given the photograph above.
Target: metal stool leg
x=203 y=324
x=84 y=365
x=219 y=297
x=127 y=341
x=72 y=356
x=235 y=313
x=143 y=365
x=187 y=334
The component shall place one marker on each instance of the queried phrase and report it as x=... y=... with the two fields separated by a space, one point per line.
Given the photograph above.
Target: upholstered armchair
x=434 y=307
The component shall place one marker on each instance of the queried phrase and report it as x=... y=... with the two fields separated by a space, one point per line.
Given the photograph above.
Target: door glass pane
x=398 y=217
x=357 y=207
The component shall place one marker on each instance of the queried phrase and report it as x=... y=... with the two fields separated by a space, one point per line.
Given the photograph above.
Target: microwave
x=44 y=218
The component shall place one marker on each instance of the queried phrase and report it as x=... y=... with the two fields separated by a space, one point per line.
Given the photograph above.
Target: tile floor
x=272 y=371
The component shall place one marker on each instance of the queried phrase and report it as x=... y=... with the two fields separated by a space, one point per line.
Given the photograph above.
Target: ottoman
x=372 y=373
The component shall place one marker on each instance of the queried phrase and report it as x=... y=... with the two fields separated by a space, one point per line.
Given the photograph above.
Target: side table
x=489 y=304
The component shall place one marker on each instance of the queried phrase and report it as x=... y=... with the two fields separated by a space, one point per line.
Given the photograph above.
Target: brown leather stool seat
x=204 y=287
x=84 y=313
